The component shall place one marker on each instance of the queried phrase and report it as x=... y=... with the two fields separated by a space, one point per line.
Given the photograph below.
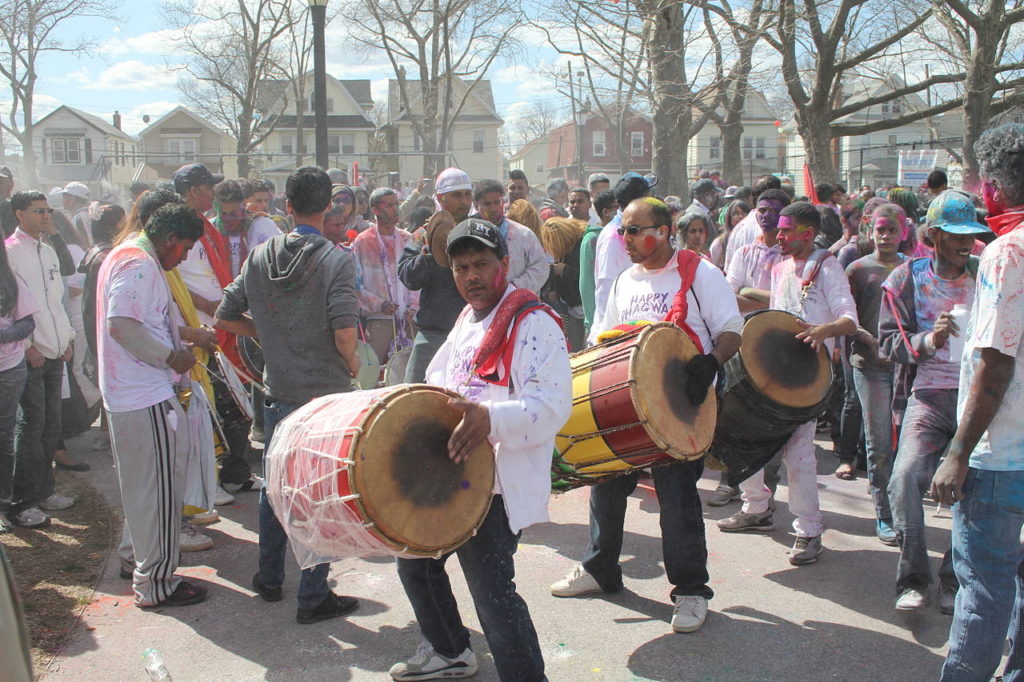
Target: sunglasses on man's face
x=634 y=230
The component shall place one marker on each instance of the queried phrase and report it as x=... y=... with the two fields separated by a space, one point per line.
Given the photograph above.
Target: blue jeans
x=989 y=560
x=424 y=348
x=12 y=383
x=682 y=529
x=851 y=428
x=874 y=389
x=487 y=563
x=273 y=540
x=38 y=434
x=928 y=425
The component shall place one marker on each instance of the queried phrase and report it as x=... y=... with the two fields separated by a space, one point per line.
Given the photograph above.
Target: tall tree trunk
x=28 y=141
x=668 y=97
x=814 y=128
x=979 y=87
x=732 y=154
x=300 y=130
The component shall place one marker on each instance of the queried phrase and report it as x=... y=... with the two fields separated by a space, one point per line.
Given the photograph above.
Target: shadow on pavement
x=797 y=651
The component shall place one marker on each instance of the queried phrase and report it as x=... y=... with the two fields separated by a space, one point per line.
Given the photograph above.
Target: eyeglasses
x=634 y=230
x=41 y=211
x=339 y=199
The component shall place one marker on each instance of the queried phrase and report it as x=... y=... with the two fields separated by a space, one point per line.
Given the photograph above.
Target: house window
x=715 y=148
x=182 y=150
x=287 y=146
x=759 y=148
x=348 y=144
x=636 y=143
x=417 y=143
x=478 y=141
x=896 y=107
x=333 y=144
x=885 y=108
x=540 y=167
x=65 y=150
x=312 y=104
x=1017 y=118
x=748 y=148
x=892 y=146
x=599 y=145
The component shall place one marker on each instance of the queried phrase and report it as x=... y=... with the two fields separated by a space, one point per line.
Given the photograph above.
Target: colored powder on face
x=650 y=242
x=786 y=221
x=465 y=485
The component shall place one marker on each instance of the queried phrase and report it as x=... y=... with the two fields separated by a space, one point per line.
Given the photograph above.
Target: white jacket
x=35 y=265
x=525 y=418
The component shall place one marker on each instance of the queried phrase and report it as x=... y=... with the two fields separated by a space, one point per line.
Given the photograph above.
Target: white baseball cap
x=452 y=180
x=77 y=189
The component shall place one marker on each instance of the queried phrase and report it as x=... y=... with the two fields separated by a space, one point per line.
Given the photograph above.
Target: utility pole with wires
x=576 y=124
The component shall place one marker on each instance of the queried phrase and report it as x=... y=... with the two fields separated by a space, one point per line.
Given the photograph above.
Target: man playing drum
x=300 y=290
x=517 y=389
x=711 y=317
x=812 y=285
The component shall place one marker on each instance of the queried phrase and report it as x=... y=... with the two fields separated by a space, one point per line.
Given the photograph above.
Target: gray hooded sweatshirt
x=299 y=289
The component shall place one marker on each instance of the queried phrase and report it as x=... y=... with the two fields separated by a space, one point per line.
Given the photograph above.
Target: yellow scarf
x=188 y=313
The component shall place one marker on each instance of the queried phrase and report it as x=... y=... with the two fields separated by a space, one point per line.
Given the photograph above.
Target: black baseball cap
x=480 y=231
x=194 y=175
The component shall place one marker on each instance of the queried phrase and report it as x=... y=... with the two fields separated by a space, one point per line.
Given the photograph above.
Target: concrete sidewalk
x=769 y=621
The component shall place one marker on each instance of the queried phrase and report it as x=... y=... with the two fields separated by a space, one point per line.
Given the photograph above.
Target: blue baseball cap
x=953 y=212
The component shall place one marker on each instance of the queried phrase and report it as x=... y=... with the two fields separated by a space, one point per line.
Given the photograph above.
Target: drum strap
x=499 y=341
x=811 y=269
x=688 y=262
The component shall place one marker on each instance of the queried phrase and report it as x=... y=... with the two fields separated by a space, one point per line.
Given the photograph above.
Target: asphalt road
x=768 y=621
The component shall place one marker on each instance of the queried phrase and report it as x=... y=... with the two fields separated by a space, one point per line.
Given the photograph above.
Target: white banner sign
x=915 y=165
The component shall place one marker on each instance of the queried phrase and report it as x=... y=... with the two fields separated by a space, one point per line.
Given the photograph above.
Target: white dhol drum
x=394 y=371
x=369 y=366
x=229 y=374
x=367 y=473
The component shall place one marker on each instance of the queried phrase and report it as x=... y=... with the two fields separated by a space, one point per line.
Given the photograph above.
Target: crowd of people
x=152 y=313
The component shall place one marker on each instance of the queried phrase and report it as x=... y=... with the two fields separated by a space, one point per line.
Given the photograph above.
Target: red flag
x=809 y=185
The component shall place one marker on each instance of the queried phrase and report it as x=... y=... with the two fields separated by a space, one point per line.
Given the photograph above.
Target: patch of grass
x=57 y=566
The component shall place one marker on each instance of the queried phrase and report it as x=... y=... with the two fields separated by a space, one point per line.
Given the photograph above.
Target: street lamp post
x=318 y=14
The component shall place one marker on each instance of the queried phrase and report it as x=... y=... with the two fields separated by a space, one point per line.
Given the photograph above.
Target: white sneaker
x=689 y=613
x=427 y=664
x=576 y=583
x=205 y=518
x=191 y=540
x=911 y=600
x=57 y=502
x=223 y=498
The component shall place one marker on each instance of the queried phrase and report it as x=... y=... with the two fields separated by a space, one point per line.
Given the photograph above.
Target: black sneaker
x=332 y=606
x=185 y=594
x=267 y=593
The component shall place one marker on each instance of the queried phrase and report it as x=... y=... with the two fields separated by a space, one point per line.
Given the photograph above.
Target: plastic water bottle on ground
x=154 y=664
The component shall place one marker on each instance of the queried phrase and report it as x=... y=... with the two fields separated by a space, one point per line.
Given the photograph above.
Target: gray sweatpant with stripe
x=151 y=449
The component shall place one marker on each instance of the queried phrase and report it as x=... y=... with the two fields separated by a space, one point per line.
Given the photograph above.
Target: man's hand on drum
x=700 y=372
x=181 y=361
x=814 y=334
x=205 y=339
x=471 y=431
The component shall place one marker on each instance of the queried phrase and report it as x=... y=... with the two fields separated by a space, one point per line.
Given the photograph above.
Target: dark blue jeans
x=273 y=540
x=874 y=389
x=424 y=348
x=928 y=425
x=487 y=563
x=39 y=432
x=989 y=560
x=12 y=383
x=682 y=529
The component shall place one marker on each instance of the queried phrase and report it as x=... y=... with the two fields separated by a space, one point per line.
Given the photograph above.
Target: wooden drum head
x=420 y=500
x=659 y=394
x=781 y=366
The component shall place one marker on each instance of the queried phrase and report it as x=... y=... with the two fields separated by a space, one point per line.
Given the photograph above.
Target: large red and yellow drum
x=630 y=408
x=367 y=473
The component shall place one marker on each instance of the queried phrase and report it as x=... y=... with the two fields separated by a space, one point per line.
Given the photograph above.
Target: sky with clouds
x=131 y=70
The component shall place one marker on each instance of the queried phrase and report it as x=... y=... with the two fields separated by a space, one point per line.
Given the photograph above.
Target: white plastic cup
x=961 y=313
